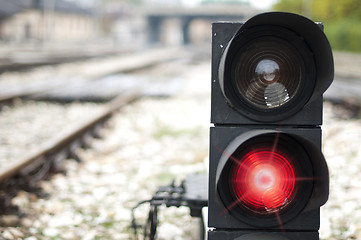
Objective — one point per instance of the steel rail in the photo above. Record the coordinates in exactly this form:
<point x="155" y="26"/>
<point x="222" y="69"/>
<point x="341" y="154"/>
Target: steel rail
<point x="66" y="140"/>
<point x="126" y="64"/>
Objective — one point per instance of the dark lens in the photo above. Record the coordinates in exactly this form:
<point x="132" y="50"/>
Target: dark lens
<point x="268" y="73"/>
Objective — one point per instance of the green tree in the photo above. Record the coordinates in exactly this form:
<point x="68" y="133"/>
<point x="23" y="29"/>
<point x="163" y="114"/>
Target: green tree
<point x="342" y="19"/>
<point x="334" y="10"/>
<point x="325" y="10"/>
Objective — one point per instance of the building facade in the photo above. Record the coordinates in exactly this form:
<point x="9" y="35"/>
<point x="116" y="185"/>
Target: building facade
<point x="45" y="21"/>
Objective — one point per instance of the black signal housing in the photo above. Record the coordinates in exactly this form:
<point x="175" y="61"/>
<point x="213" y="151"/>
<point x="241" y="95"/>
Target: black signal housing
<point x="267" y="175"/>
<point x="304" y="39"/>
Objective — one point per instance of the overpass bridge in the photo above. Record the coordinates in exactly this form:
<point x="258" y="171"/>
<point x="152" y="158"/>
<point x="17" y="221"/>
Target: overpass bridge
<point x="156" y="17"/>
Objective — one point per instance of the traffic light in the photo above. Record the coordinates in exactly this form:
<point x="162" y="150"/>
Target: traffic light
<point x="268" y="177"/>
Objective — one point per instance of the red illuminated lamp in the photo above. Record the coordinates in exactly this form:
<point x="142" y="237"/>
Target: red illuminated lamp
<point x="264" y="180"/>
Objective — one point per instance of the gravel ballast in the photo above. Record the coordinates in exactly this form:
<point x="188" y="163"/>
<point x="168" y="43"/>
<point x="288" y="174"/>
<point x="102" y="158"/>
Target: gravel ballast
<point x="149" y="144"/>
<point x="26" y="126"/>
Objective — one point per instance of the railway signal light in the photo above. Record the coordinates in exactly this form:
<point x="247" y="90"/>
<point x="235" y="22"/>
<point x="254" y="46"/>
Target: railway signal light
<point x="268" y="177"/>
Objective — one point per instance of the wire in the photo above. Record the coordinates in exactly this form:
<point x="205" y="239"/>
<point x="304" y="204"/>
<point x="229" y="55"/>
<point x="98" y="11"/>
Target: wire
<point x="150" y="229"/>
<point x="134" y="223"/>
<point x="168" y="196"/>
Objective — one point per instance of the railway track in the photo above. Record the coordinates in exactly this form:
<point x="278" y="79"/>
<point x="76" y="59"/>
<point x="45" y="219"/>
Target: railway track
<point x="143" y="150"/>
<point x="84" y="76"/>
<point x="24" y="58"/>
<point x="25" y="172"/>
<point x="30" y="169"/>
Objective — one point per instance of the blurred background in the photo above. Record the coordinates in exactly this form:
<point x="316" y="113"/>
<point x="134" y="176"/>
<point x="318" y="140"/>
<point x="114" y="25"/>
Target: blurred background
<point x="139" y="23"/>
<point x="126" y="24"/>
<point x="341" y="18"/>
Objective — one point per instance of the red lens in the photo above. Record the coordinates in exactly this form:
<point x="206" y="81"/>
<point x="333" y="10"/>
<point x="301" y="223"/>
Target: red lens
<point x="264" y="180"/>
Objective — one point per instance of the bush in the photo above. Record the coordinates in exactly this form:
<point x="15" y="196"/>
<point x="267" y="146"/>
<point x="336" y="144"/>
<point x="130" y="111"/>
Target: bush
<point x="345" y="34"/>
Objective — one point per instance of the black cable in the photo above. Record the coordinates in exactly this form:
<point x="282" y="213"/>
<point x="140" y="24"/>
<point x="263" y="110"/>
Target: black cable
<point x="134" y="224"/>
<point x="150" y="229"/>
<point x="170" y="196"/>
